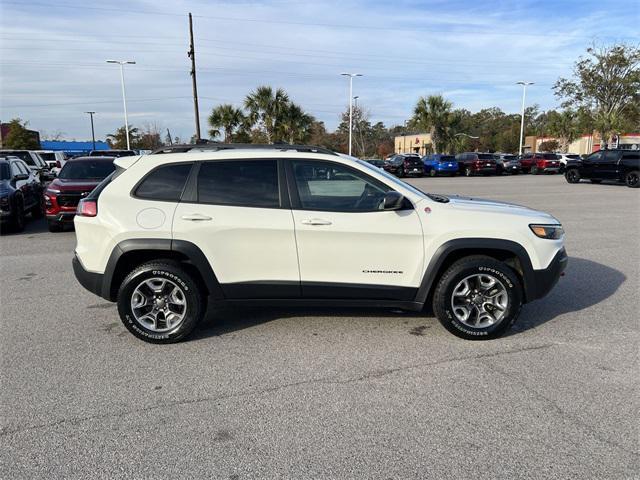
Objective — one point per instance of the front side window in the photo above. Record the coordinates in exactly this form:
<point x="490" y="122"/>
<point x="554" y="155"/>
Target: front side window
<point x="164" y="183"/>
<point x="243" y="183"/>
<point x="4" y="171"/>
<point x="333" y="187"/>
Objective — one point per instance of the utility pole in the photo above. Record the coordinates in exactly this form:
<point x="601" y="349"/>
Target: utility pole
<point x="169" y="137"/>
<point x="192" y="55"/>
<point x="524" y="92"/>
<point x="122" y="63"/>
<point x="350" y="75"/>
<point x="93" y="132"/>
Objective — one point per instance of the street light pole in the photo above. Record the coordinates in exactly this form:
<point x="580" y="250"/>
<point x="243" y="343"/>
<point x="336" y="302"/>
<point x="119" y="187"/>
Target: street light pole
<point x="93" y="132"/>
<point x="524" y="93"/>
<point x="122" y="63"/>
<point x="351" y="75"/>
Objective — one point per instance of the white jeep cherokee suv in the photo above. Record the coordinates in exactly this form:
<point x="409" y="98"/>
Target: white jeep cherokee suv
<point x="302" y="225"/>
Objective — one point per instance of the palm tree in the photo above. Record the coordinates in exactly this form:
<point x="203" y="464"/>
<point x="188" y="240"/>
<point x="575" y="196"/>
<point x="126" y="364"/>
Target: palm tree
<point x="266" y="108"/>
<point x="295" y="124"/>
<point x="433" y="114"/>
<point x="564" y="125"/>
<point x="225" y="117"/>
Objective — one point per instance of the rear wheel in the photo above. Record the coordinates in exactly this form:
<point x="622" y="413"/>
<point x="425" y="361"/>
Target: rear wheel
<point x="632" y="179"/>
<point x="18" y="220"/>
<point x="432" y="172"/>
<point x="534" y="170"/>
<point x="467" y="172"/>
<point x="159" y="302"/>
<point x="478" y="298"/>
<point x="572" y="175"/>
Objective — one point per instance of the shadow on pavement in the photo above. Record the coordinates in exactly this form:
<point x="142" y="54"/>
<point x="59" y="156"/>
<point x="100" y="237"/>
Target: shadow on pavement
<point x="586" y="283"/>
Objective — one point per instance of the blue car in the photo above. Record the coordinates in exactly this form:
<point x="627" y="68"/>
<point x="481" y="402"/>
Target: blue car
<point x="440" y="164"/>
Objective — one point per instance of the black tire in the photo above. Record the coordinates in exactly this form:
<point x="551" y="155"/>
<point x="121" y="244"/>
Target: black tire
<point x="39" y="209"/>
<point x="189" y="290"/>
<point x="18" y="220"/>
<point x="596" y="180"/>
<point x="632" y="179"/>
<point x="452" y="174"/>
<point x="432" y="172"/>
<point x="572" y="175"/>
<point x="467" y="172"/>
<point x="468" y="267"/>
<point x="401" y="172"/>
<point x="534" y="171"/>
<point x="55" y="227"/>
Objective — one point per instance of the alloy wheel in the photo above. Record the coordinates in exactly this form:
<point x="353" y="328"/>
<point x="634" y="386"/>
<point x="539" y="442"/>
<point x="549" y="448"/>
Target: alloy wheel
<point x="479" y="301"/>
<point x="158" y="304"/>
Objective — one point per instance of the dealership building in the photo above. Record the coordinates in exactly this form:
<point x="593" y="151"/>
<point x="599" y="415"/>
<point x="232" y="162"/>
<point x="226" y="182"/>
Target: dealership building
<point x="417" y="143"/>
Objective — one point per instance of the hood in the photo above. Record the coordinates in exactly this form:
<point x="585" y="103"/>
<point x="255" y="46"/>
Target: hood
<point x="495" y="207"/>
<point x="84" y="185"/>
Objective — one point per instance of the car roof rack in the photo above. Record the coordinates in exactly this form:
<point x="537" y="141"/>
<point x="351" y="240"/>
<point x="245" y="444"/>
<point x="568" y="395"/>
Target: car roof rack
<point x="216" y="147"/>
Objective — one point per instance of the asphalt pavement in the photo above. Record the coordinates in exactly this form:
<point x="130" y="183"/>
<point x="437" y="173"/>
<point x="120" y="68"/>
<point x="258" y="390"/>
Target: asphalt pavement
<point x="333" y="393"/>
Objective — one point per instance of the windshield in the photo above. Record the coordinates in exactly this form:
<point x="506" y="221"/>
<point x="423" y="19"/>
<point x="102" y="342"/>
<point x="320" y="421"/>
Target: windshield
<point x="4" y="171"/>
<point x="447" y="158"/>
<point x="49" y="156"/>
<point x="510" y="158"/>
<point x="392" y="179"/>
<point x="486" y="156"/>
<point x="86" y="169"/>
<point x="550" y="156"/>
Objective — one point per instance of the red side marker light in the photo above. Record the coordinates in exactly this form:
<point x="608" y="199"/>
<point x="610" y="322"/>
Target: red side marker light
<point x="427" y="210"/>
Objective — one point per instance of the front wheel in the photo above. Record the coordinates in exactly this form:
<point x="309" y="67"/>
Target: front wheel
<point x="632" y="179"/>
<point x="534" y="171"/>
<point x="467" y="172"/>
<point x="159" y="302"/>
<point x="572" y="175"/>
<point x="478" y="298"/>
<point x="432" y="173"/>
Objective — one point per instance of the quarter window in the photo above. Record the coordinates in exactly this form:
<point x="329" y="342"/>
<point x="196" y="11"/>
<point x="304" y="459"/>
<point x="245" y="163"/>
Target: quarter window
<point x="244" y="183"/>
<point x="335" y="188"/>
<point x="164" y="183"/>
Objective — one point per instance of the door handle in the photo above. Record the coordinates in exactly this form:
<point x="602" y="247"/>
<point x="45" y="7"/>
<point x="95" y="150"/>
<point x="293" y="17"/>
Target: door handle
<point x="315" y="221"/>
<point x="196" y="217"/>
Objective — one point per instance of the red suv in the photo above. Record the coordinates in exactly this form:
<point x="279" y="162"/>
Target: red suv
<point x="536" y="163"/>
<point x="472" y="163"/>
<point x="75" y="181"/>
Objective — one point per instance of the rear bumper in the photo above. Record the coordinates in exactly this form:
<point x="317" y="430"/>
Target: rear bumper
<point x="544" y="280"/>
<point x="90" y="280"/>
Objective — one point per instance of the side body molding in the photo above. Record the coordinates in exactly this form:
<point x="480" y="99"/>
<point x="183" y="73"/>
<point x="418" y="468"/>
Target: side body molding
<point x="478" y="245"/>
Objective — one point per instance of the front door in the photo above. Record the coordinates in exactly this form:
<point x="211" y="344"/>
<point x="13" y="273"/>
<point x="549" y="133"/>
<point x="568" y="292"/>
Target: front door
<point x="246" y="232"/>
<point x="347" y="246"/>
<point x="590" y="165"/>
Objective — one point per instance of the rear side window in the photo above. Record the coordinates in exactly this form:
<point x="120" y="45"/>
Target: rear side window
<point x="631" y="156"/>
<point x="164" y="183"/>
<point x="242" y="183"/>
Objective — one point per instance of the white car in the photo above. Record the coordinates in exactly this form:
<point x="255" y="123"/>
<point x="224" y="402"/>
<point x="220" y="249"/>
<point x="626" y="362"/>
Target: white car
<point x="54" y="159"/>
<point x="295" y="225"/>
<point x="565" y="157"/>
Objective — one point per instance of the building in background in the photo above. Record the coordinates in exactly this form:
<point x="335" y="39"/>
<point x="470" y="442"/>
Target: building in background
<point x="416" y="143"/>
<point x="586" y="144"/>
<point x="73" y="148"/>
<point x="4" y="131"/>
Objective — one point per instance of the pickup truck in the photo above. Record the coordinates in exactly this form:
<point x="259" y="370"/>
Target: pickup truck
<point x="612" y="165"/>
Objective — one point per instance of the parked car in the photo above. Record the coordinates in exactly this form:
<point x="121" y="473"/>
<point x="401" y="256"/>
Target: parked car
<point x="20" y="193"/>
<point x="55" y="160"/>
<point x="35" y="163"/>
<point x="566" y="157"/>
<point x="165" y="234"/>
<point x="506" y="163"/>
<point x="76" y="180"/>
<point x="541" y="162"/>
<point x="440" y="164"/>
<point x="472" y="163"/>
<point x="111" y="153"/>
<point x="376" y="162"/>
<point x="405" y="165"/>
<point x="612" y="165"/>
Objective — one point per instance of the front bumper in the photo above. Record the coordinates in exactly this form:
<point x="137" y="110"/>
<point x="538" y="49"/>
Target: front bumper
<point x="545" y="279"/>
<point x="62" y="217"/>
<point x="90" y="280"/>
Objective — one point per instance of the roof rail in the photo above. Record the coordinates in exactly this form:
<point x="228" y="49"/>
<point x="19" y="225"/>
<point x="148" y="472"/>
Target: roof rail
<point x="214" y="146"/>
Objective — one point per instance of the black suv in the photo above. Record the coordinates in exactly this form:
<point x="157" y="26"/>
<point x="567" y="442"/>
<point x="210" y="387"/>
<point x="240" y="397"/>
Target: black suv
<point x="404" y="165"/>
<point x="612" y="165"/>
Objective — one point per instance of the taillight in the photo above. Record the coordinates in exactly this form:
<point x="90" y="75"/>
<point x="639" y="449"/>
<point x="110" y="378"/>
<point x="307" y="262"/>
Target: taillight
<point x="58" y="165"/>
<point x="87" y="208"/>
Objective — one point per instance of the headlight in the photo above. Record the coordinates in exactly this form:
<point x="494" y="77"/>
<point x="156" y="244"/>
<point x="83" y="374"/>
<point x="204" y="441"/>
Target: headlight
<point x="4" y="201"/>
<point x="551" y="232"/>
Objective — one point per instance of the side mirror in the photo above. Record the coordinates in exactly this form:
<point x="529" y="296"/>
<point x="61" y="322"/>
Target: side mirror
<point x="393" y="201"/>
<point x="21" y="176"/>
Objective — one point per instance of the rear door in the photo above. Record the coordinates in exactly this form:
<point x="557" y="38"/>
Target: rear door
<point x="608" y="165"/>
<point x="239" y="217"/>
<point x="347" y="246"/>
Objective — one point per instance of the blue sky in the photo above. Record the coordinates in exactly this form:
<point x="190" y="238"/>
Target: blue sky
<point x="52" y="65"/>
